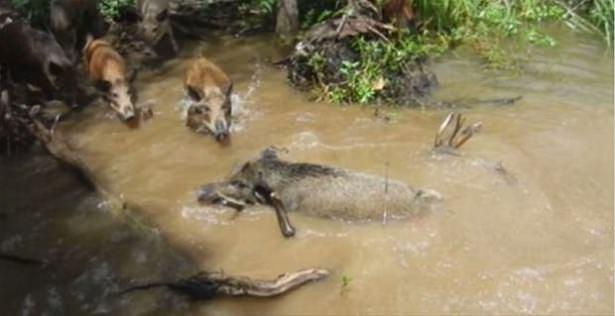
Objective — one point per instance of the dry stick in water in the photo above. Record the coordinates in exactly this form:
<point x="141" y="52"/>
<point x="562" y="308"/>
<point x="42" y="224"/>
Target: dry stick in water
<point x="455" y="140"/>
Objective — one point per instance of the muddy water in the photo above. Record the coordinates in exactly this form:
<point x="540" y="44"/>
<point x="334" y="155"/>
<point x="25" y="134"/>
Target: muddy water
<point x="536" y="239"/>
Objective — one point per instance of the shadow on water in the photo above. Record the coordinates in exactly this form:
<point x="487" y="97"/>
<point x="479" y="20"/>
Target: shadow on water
<point x="87" y="253"/>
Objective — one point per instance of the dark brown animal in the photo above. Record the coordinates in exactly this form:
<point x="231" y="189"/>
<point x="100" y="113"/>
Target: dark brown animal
<point x="209" y="94"/>
<point x="73" y="20"/>
<point x="399" y="13"/>
<point x="106" y="68"/>
<point x="154" y="23"/>
<point x="34" y="57"/>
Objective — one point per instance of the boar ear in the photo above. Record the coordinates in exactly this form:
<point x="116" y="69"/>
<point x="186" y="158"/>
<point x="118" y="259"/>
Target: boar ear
<point x="193" y="94"/>
<point x="229" y="89"/>
<point x="103" y="85"/>
<point x="245" y="166"/>
<point x="162" y="15"/>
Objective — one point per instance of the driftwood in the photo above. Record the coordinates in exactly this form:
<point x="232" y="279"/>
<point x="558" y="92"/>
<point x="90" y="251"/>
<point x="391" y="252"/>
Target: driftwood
<point x="204" y="285"/>
<point x="207" y="285"/>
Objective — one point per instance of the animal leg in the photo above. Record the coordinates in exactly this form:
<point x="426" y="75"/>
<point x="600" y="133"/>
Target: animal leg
<point x="264" y="193"/>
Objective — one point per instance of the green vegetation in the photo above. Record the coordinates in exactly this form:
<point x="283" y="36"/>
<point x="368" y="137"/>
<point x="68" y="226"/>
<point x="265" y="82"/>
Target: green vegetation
<point x="377" y="65"/>
<point x="592" y="16"/>
<point x="113" y="8"/>
<point x="493" y="29"/>
<point x="602" y="17"/>
<point x="345" y="284"/>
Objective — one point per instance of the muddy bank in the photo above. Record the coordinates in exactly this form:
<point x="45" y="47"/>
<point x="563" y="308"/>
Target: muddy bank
<point x="356" y="58"/>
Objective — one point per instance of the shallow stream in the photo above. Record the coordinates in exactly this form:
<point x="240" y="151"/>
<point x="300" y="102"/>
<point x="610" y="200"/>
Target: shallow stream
<point x="538" y="239"/>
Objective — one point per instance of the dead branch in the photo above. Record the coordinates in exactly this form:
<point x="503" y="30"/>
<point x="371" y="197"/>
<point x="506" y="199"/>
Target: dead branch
<point x="207" y="285"/>
<point x="459" y="135"/>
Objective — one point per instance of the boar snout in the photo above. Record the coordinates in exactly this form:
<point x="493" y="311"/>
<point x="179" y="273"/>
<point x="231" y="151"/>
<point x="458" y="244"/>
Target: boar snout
<point x="225" y="194"/>
<point x="128" y="113"/>
<point x="221" y="131"/>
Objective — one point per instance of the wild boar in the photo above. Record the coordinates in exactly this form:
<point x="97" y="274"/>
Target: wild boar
<point x="399" y="13"/>
<point x="33" y="56"/>
<point x="106" y="68"/>
<point x="154" y="22"/>
<point x="209" y="95"/>
<point x="317" y="190"/>
<point x="72" y="20"/>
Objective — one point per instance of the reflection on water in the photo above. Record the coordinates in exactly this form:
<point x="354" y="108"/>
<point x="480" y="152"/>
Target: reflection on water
<point x="534" y="238"/>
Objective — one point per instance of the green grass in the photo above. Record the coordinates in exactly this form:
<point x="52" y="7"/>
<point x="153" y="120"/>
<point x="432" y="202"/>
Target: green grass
<point x="487" y="26"/>
<point x="601" y="15"/>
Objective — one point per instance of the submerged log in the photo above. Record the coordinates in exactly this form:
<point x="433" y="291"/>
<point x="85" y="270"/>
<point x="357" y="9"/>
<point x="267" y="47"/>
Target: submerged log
<point x="207" y="285"/>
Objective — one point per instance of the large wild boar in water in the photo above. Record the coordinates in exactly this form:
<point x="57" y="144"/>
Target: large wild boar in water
<point x="107" y="69"/>
<point x="317" y="190"/>
<point x="209" y="96"/>
<point x="33" y="56"/>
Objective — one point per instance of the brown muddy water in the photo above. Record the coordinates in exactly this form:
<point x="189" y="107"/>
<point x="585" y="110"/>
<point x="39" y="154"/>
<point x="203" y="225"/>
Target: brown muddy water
<point x="538" y="240"/>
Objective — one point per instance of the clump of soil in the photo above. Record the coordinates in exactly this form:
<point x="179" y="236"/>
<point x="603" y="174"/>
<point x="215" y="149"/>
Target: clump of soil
<point x="333" y="41"/>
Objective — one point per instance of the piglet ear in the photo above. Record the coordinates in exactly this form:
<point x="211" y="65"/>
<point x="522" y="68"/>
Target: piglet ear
<point x="162" y="15"/>
<point x="88" y="40"/>
<point x="103" y="85"/>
